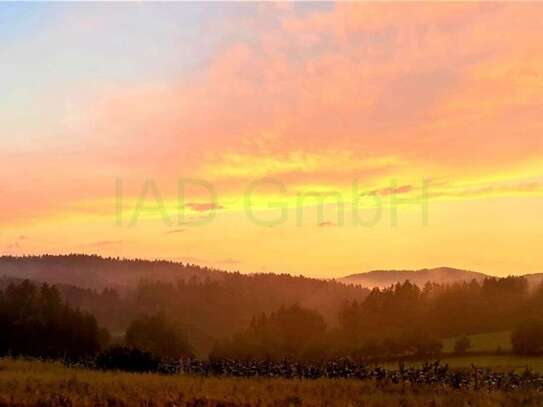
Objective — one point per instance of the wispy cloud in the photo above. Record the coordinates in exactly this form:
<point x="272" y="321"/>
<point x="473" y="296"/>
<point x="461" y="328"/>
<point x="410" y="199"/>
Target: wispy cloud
<point x="392" y="190"/>
<point x="175" y="231"/>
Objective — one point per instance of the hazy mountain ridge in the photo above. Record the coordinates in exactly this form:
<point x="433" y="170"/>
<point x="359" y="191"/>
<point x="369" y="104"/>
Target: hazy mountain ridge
<point x="96" y="272"/>
<point x="440" y="275"/>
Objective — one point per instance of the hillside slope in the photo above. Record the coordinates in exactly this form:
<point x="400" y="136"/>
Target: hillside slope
<point x="207" y="303"/>
<point x="384" y="278"/>
<point x="90" y="271"/>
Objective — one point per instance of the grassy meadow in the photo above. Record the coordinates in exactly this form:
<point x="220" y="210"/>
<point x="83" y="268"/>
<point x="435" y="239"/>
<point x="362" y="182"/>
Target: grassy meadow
<point x="487" y="342"/>
<point x="493" y="344"/>
<point x="483" y="353"/>
<point x="34" y="383"/>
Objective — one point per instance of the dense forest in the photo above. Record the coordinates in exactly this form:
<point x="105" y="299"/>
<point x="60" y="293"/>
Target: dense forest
<point x="208" y="304"/>
<point x="35" y="321"/>
<point x="212" y="309"/>
<point x="91" y="271"/>
<point x="401" y="320"/>
<point x="261" y="316"/>
<point x="443" y="310"/>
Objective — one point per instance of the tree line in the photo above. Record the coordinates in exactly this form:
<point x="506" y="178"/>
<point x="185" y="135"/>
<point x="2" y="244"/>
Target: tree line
<point x="35" y="321"/>
<point x="399" y="321"/>
<point x="402" y="320"/>
<point x="208" y="309"/>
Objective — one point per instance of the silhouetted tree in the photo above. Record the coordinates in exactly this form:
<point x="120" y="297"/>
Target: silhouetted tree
<point x="462" y="344"/>
<point x="527" y="338"/>
<point x="37" y="322"/>
<point x="157" y="335"/>
<point x="290" y="332"/>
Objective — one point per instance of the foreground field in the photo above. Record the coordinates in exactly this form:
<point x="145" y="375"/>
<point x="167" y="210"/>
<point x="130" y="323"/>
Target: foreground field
<point x="29" y="383"/>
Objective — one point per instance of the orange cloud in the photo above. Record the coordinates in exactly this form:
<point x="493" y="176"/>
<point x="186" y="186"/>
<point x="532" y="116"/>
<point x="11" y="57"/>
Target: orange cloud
<point x="380" y="80"/>
<point x="380" y="90"/>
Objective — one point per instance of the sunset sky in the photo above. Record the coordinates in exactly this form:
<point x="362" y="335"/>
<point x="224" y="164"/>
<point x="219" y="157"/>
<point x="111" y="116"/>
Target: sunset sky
<point x="312" y="138"/>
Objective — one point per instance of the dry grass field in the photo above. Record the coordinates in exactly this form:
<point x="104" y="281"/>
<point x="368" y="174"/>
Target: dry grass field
<point x="32" y="383"/>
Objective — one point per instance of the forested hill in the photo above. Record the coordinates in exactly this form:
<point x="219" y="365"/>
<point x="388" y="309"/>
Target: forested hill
<point x="91" y="271"/>
<point x="208" y="303"/>
<point x="439" y="275"/>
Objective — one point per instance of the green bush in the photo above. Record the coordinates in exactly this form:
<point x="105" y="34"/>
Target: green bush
<point x="159" y="336"/>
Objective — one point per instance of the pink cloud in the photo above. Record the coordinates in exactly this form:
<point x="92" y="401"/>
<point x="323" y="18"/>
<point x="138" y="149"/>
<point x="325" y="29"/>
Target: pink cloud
<point x="435" y="86"/>
<point x="376" y="80"/>
<point x="203" y="207"/>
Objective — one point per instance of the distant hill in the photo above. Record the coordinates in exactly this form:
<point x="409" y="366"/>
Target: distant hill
<point x="91" y="271"/>
<point x="385" y="278"/>
<point x="535" y="279"/>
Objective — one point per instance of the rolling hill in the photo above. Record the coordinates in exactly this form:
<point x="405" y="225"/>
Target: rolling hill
<point x="95" y="272"/>
<point x="384" y="278"/>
